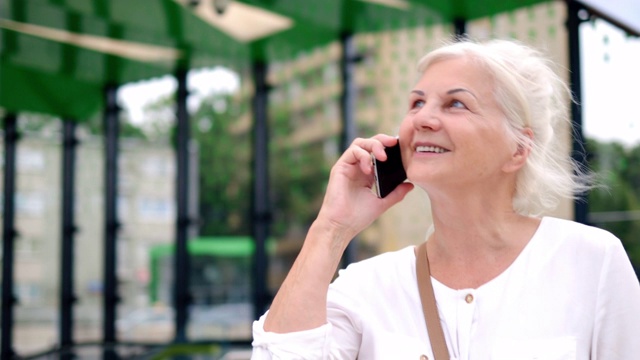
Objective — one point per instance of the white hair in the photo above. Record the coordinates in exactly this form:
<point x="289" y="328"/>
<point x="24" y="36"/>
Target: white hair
<point x="532" y="96"/>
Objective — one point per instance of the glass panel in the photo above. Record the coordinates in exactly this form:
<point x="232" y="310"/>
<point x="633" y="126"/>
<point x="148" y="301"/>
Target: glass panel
<point x="148" y="220"/>
<point x="37" y="246"/>
<point x="89" y="219"/>
<point x="221" y="251"/>
<point x="146" y="211"/>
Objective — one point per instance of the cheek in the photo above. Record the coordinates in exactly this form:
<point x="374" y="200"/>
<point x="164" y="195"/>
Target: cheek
<point x="486" y="153"/>
<point x="405" y="126"/>
<point x="405" y="134"/>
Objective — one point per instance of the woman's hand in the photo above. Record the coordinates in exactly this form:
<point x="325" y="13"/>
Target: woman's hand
<point x="349" y="205"/>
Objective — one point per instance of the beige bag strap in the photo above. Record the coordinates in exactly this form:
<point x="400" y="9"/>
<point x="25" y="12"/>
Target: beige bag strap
<point x="429" y="307"/>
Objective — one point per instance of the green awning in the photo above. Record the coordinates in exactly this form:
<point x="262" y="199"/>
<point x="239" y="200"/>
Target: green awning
<point x="229" y="247"/>
<point x="222" y="246"/>
<point x="25" y="89"/>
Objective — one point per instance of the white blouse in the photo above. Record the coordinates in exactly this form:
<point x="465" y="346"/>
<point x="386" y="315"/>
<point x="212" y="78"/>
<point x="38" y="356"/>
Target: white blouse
<point x="570" y="294"/>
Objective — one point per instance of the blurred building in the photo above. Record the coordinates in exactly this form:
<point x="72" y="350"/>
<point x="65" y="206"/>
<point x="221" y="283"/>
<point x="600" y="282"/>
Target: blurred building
<point x="146" y="207"/>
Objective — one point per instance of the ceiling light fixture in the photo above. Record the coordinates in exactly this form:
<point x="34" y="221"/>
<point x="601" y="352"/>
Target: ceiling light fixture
<point x="221" y="5"/>
<point x="243" y="22"/>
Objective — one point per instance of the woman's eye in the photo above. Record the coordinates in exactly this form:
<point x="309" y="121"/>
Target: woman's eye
<point x="417" y="104"/>
<point x="457" y="104"/>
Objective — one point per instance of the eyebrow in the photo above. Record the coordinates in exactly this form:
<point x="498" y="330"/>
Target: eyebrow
<point x="452" y="91"/>
<point x="457" y="90"/>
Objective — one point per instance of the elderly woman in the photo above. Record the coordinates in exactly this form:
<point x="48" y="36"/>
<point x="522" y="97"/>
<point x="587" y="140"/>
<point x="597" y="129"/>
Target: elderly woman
<point x="478" y="137"/>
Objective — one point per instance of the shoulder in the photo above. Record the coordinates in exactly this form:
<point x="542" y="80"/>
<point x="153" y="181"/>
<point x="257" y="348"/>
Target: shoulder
<point x="577" y="234"/>
<point x="568" y="246"/>
<point x="385" y="263"/>
<point x="390" y="269"/>
<point x="581" y="247"/>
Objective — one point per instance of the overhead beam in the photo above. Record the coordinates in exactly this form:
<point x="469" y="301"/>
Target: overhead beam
<point x="126" y="49"/>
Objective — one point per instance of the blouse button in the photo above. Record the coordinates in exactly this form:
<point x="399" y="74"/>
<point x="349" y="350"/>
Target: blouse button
<point x="468" y="298"/>
<point x="424" y="357"/>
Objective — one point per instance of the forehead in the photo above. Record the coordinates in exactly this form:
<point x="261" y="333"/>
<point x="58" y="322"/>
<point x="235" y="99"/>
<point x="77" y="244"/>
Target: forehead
<point x="458" y="72"/>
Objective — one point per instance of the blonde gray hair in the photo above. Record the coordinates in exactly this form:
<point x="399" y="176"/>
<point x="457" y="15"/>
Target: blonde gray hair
<point x="532" y="96"/>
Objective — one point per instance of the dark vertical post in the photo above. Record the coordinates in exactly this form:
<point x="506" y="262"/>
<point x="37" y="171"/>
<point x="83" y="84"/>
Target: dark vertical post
<point x="9" y="234"/>
<point x="111" y="126"/>
<point x="67" y="296"/>
<point x="578" y="149"/>
<point x="260" y="195"/>
<point x="460" y="28"/>
<point x="181" y="262"/>
<point x="348" y="62"/>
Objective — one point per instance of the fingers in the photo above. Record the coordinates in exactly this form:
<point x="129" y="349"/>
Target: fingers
<point x="386" y="141"/>
<point x="361" y="149"/>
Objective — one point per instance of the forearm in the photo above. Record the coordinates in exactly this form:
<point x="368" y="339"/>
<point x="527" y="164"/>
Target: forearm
<point x="301" y="302"/>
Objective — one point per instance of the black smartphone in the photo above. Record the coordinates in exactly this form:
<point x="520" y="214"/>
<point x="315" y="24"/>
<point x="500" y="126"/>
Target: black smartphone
<point x="389" y="173"/>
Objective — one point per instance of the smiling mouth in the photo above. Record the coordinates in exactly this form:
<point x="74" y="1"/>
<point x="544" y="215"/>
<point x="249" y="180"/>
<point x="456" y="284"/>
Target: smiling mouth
<point x="431" y="149"/>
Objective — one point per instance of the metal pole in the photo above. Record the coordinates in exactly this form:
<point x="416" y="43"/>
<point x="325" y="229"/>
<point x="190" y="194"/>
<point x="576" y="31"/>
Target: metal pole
<point x="460" y="28"/>
<point x="347" y="107"/>
<point x="9" y="234"/>
<point x="260" y="195"/>
<point x="181" y="263"/>
<point x="111" y="126"/>
<point x="580" y="206"/>
<point x="67" y="297"/>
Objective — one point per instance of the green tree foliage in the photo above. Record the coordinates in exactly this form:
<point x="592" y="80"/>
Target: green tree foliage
<point x="298" y="176"/>
<point x="38" y="123"/>
<point x="95" y="126"/>
<point x="224" y="166"/>
<point x="297" y="179"/>
<point x="620" y="193"/>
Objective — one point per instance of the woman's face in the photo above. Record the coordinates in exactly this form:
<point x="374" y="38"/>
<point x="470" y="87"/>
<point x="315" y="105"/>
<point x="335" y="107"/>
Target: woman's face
<point x="454" y="132"/>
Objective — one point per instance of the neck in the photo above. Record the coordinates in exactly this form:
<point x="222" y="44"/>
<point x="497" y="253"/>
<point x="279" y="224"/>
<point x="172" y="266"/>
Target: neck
<point x="471" y="228"/>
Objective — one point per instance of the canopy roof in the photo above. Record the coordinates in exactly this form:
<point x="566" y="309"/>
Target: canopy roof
<point x="56" y="56"/>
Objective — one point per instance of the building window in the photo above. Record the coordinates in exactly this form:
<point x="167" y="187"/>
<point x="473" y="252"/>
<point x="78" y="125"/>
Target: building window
<point x="30" y="204"/>
<point x="155" y="209"/>
<point x="29" y="160"/>
<point x="157" y="166"/>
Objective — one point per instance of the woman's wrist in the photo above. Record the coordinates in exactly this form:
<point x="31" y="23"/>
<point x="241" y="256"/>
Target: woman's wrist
<point x="334" y="235"/>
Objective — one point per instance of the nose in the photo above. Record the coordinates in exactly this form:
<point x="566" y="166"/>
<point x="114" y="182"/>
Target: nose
<point x="427" y="118"/>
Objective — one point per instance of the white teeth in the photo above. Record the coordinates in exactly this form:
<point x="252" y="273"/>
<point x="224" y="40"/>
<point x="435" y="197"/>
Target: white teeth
<point x="432" y="149"/>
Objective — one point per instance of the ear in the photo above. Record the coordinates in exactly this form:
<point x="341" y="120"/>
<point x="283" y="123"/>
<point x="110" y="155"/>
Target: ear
<point x="521" y="153"/>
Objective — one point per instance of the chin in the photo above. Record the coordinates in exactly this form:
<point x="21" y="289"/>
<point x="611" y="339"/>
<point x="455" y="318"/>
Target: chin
<point x="427" y="180"/>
